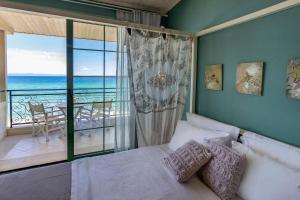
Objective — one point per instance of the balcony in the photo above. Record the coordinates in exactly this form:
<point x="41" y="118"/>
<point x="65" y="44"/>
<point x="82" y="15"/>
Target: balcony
<point x="20" y="149"/>
<point x="19" y="112"/>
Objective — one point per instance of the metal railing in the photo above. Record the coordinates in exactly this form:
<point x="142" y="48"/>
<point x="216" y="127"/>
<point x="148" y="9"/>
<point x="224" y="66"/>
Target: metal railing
<point x="19" y="113"/>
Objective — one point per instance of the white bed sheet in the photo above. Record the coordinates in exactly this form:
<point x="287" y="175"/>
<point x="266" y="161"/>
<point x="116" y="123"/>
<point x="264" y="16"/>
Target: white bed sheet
<point x="133" y="175"/>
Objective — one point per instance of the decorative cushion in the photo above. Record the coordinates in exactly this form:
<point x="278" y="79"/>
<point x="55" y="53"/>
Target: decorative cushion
<point x="265" y="178"/>
<point x="225" y="140"/>
<point x="224" y="171"/>
<point x="207" y="123"/>
<point x="185" y="132"/>
<point x="187" y="160"/>
<point x="277" y="150"/>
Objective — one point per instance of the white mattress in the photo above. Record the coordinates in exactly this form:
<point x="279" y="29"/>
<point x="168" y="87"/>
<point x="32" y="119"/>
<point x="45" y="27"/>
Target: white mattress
<point x="132" y="175"/>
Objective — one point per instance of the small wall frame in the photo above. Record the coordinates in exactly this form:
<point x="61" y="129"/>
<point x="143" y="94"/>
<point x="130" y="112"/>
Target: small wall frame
<point x="249" y="78"/>
<point x="214" y="77"/>
<point x="293" y="79"/>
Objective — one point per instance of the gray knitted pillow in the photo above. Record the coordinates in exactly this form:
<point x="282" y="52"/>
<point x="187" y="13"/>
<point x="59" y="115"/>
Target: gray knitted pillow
<point x="224" y="171"/>
<point x="187" y="160"/>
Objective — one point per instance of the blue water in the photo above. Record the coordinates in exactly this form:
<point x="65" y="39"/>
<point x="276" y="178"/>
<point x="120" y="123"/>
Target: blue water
<point x="58" y="82"/>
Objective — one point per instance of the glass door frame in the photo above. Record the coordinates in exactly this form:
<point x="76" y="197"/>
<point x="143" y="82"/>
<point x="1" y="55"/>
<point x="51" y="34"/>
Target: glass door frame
<point x="70" y="101"/>
<point x="70" y="94"/>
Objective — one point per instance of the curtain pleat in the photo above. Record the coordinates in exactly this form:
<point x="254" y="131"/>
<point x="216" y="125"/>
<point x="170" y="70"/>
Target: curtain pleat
<point x="125" y="113"/>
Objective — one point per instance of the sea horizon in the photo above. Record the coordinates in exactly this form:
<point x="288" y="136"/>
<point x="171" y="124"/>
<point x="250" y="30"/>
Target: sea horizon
<point x="49" y="81"/>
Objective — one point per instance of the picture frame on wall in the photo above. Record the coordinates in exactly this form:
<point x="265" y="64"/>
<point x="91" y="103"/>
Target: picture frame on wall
<point x="249" y="78"/>
<point x="293" y="79"/>
<point x="214" y="77"/>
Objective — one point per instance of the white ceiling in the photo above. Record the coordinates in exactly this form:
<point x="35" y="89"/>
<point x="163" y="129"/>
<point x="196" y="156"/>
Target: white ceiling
<point x="158" y="6"/>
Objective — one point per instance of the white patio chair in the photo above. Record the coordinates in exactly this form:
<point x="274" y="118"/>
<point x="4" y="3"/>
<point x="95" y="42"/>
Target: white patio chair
<point x="45" y="121"/>
<point x="96" y="115"/>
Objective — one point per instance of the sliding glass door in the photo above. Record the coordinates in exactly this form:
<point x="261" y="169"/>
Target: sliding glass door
<point x="84" y="109"/>
<point x="93" y="87"/>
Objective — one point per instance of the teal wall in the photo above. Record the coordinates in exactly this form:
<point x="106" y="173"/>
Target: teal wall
<point x="274" y="39"/>
<point x="195" y="15"/>
<point x="92" y="10"/>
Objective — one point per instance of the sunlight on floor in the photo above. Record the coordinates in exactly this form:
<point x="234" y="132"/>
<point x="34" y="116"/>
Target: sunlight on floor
<point x="24" y="150"/>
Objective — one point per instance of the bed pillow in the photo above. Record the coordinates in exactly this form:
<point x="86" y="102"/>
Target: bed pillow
<point x="277" y="150"/>
<point x="187" y="160"/>
<point x="207" y="123"/>
<point x="265" y="178"/>
<point x="224" y="171"/>
<point x="185" y="132"/>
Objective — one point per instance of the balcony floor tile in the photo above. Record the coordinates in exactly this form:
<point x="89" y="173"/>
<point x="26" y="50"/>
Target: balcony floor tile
<point x="21" y="151"/>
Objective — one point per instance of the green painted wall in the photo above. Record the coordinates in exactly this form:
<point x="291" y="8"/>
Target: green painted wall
<point x="96" y="11"/>
<point x="195" y="15"/>
<point x="273" y="39"/>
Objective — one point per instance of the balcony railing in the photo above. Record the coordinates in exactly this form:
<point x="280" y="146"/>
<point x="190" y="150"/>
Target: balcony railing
<point x="18" y="107"/>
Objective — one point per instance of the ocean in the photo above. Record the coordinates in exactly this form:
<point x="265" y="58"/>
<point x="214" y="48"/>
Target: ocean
<point x="58" y="82"/>
<point x="51" y="90"/>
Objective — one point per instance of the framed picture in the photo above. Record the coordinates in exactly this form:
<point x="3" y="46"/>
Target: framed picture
<point x="214" y="77"/>
<point x="293" y="79"/>
<point x="249" y="78"/>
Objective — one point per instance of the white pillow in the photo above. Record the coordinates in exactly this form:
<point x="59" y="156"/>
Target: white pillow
<point x="265" y="178"/>
<point x="185" y="132"/>
<point x="207" y="123"/>
<point x="285" y="153"/>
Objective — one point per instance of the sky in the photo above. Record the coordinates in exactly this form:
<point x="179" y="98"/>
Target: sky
<point x="46" y="55"/>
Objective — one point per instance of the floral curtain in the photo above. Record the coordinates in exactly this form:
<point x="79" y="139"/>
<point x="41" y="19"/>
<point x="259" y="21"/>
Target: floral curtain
<point x="159" y="73"/>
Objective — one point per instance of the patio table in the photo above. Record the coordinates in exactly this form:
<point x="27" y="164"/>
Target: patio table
<point x="63" y="108"/>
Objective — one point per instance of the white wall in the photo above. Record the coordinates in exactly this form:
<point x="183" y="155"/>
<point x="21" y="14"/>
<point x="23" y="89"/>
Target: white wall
<point x="2" y="85"/>
<point x="2" y="120"/>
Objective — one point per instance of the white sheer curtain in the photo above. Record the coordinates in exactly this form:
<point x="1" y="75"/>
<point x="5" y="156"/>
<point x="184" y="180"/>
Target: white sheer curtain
<point x="139" y="17"/>
<point x="125" y="114"/>
<point x="159" y="71"/>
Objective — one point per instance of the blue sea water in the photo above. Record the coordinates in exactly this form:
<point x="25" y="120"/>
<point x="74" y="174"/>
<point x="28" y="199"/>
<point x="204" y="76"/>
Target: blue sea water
<point x="58" y="82"/>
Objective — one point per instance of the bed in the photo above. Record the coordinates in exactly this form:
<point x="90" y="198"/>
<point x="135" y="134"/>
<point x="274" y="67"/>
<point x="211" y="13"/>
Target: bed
<point x="140" y="174"/>
<point x="113" y="177"/>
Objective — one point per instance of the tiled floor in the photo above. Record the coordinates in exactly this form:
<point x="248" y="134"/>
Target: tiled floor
<point x="24" y="150"/>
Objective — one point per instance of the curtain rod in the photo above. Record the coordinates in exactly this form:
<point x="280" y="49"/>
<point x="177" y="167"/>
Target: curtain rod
<point x="142" y="27"/>
<point x="135" y="26"/>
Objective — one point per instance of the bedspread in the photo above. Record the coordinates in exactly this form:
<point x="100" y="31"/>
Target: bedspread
<point x="133" y="175"/>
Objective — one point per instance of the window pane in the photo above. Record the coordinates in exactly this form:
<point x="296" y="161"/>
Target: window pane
<point x="88" y="63"/>
<point x="88" y="36"/>
<point x="110" y="75"/>
<point x="91" y="82"/>
<point x="94" y="87"/>
<point x="110" y="63"/>
<point x="88" y="141"/>
<point x="110" y="96"/>
<point x="111" y="38"/>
